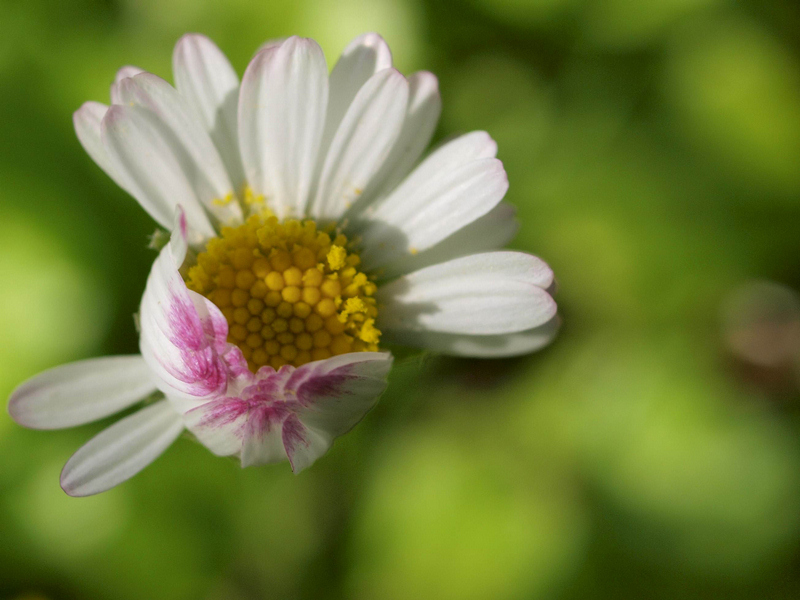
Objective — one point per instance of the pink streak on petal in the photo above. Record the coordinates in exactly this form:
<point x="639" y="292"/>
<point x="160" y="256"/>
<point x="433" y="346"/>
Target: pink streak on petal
<point x="201" y="366"/>
<point x="311" y="384"/>
<point x="237" y="363"/>
<point x="219" y="413"/>
<point x="293" y="435"/>
<point x="270" y="383"/>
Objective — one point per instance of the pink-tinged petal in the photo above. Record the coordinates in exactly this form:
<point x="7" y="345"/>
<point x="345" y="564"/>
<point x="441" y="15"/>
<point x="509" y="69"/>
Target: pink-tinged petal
<point x="125" y="72"/>
<point x="206" y="79"/>
<point x="119" y="452"/>
<point x="333" y="396"/>
<point x="491" y="293"/>
<point x="182" y="334"/>
<point x="292" y="413"/>
<point x="220" y="424"/>
<point x="270" y="43"/>
<point x="282" y="106"/>
<point x="81" y="392"/>
<point x="302" y="444"/>
<point x="263" y="443"/>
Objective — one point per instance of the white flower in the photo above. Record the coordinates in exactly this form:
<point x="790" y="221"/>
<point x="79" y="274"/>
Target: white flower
<point x="304" y="237"/>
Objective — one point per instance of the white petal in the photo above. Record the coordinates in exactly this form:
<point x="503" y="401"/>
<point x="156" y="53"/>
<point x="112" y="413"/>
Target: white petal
<point x="81" y="392"/>
<point x="119" y="452"/>
<point x="270" y="43"/>
<point x="87" y="121"/>
<point x="362" y="143"/>
<point x="282" y="114"/>
<point x="422" y="115"/>
<point x="492" y="231"/>
<point x="188" y="141"/>
<point x="361" y="59"/>
<point x="143" y="151"/>
<point x="182" y="334"/>
<point x="124" y="73"/>
<point x="423" y="211"/>
<point x="482" y="294"/>
<point x="207" y="81"/>
<point x="334" y="395"/>
<point x="479" y="346"/>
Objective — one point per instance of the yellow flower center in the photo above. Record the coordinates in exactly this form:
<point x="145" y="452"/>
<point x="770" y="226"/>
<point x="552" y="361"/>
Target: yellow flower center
<point x="290" y="292"/>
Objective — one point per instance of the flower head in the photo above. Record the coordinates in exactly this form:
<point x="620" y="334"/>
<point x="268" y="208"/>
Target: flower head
<point x="306" y="235"/>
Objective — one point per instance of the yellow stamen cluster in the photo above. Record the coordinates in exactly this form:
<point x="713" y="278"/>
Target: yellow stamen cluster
<point x="290" y="292"/>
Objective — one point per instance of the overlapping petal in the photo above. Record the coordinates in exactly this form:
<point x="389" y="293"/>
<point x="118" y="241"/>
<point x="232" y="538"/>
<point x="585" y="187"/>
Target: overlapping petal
<point x="453" y="187"/>
<point x="422" y="115"/>
<point x="361" y="144"/>
<point x="492" y="231"/>
<point x="87" y="121"/>
<point x="338" y="148"/>
<point x="210" y="86"/>
<point x="361" y="59"/>
<point x="187" y="141"/>
<point x="481" y="346"/>
<point x="144" y="151"/>
<point x="294" y="413"/>
<point x="483" y="294"/>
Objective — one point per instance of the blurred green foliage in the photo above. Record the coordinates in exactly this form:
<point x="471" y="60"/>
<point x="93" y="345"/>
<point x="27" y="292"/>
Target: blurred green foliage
<point x="653" y="150"/>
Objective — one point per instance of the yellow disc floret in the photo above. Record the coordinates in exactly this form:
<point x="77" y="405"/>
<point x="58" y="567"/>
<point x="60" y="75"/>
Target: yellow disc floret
<point x="290" y="292"/>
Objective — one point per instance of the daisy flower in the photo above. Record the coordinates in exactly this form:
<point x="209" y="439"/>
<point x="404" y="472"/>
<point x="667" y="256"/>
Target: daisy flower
<point x="306" y="235"/>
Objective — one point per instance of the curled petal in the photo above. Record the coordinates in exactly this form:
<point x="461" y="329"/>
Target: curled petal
<point x="362" y="143"/>
<point x="334" y="395"/>
<point x="183" y="336"/>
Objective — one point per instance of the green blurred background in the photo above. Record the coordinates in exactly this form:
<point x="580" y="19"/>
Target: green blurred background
<point x="653" y="149"/>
